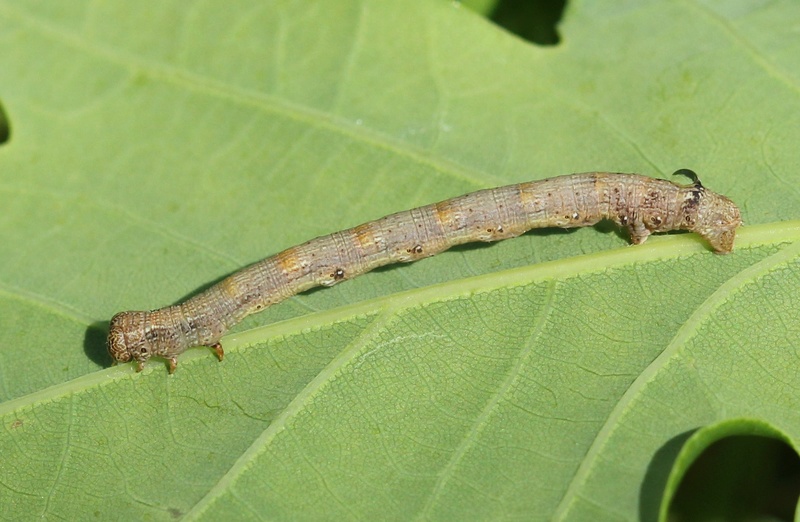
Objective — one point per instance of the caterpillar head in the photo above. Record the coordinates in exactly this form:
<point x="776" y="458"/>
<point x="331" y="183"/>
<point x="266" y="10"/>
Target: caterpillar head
<point x="716" y="219"/>
<point x="709" y="214"/>
<point x="126" y="337"/>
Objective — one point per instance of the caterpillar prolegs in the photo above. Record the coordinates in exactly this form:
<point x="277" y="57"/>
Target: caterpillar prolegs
<point x="640" y="204"/>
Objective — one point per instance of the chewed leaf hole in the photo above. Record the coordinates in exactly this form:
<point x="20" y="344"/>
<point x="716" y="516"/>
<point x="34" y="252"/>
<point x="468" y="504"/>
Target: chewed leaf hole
<point x="740" y="477"/>
<point x="533" y="20"/>
<point x="5" y="126"/>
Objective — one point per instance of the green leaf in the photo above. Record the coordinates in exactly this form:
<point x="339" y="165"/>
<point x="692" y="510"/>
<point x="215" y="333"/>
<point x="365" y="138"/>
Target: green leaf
<point x="483" y="7"/>
<point x="157" y="146"/>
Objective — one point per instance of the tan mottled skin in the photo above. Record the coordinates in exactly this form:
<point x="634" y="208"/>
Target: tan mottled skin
<point x="641" y="204"/>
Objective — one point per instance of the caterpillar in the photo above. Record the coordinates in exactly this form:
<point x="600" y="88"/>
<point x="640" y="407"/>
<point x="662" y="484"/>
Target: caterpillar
<point x="640" y="204"/>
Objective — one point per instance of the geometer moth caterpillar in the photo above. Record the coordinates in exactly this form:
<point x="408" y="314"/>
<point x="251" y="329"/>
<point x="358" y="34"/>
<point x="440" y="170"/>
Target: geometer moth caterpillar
<point x="640" y="204"/>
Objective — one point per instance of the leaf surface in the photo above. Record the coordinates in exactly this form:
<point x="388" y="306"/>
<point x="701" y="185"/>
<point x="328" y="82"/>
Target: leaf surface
<point x="155" y="147"/>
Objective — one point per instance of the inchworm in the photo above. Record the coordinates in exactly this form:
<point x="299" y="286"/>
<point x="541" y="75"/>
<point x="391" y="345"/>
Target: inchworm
<point x="640" y="204"/>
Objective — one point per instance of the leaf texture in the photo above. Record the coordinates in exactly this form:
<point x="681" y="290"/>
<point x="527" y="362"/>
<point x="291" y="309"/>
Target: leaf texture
<point x="158" y="146"/>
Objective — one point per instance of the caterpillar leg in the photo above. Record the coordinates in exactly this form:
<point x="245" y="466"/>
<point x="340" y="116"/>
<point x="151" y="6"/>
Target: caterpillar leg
<point x="638" y="232"/>
<point x="217" y="347"/>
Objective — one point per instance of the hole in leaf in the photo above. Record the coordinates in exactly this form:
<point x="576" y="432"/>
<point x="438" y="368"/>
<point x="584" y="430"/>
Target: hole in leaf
<point x="5" y="126"/>
<point x="533" y="20"/>
<point x="740" y="478"/>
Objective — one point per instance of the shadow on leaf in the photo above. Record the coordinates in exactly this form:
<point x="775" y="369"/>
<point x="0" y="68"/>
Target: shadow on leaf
<point x="655" y="480"/>
<point x="5" y="126"/>
<point x="94" y="343"/>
